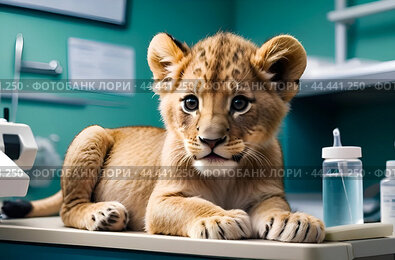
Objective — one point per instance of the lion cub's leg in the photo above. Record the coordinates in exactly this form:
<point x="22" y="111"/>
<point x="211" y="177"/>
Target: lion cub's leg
<point x="272" y="219"/>
<point x="81" y="169"/>
<point x="173" y="213"/>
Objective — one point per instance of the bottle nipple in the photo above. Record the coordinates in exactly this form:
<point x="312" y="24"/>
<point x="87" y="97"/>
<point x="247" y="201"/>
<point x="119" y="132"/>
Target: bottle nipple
<point x="336" y="137"/>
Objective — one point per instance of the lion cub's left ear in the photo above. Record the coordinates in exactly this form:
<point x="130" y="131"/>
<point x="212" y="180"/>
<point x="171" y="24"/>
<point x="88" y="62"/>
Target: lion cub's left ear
<point x="164" y="53"/>
<point x="284" y="59"/>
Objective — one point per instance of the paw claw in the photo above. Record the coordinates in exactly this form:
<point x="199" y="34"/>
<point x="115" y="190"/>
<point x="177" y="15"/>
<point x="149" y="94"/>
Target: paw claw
<point x="291" y="227"/>
<point x="234" y="225"/>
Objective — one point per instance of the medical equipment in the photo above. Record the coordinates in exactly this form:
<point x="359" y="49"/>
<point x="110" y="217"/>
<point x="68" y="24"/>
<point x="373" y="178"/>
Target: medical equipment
<point x="18" y="147"/>
<point x="17" y="153"/>
<point x="342" y="183"/>
<point x="51" y="68"/>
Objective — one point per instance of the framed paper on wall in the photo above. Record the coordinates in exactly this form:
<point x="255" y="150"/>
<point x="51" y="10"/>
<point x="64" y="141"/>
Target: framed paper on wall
<point x="110" y="11"/>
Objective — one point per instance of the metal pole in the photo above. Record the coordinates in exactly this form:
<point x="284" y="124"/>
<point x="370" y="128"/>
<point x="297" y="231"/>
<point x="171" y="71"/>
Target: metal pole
<point x="340" y="35"/>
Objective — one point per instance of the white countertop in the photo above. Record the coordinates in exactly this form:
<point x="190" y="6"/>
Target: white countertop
<point x="50" y="230"/>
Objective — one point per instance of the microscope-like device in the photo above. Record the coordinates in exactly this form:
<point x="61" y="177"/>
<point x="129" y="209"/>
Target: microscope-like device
<point x="18" y="151"/>
<point x="18" y="147"/>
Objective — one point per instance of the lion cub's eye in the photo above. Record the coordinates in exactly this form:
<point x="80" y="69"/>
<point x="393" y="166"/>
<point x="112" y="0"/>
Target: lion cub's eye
<point x="190" y="103"/>
<point x="239" y="103"/>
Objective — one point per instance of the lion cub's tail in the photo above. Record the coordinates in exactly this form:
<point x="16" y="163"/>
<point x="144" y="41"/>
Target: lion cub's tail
<point x="38" y="208"/>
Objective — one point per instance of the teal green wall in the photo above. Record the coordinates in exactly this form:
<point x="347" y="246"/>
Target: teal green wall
<point x="307" y="128"/>
<point x="260" y="20"/>
<point x="373" y="37"/>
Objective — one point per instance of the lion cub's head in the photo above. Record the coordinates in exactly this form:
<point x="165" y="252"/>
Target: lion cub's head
<point x="223" y="99"/>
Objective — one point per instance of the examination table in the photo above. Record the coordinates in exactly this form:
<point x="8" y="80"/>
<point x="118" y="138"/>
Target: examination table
<point x="47" y="238"/>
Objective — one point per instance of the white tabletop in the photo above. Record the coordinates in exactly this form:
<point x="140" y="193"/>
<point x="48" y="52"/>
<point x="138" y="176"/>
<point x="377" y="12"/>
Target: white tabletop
<point x="50" y="230"/>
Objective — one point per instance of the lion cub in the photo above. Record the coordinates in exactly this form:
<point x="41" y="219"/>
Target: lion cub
<point x="222" y="102"/>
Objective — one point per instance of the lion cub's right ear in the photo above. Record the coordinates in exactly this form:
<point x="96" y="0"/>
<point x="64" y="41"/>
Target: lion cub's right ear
<point x="164" y="54"/>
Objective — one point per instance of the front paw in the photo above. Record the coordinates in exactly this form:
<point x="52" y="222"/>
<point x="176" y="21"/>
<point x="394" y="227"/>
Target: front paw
<point x="234" y="224"/>
<point x="291" y="227"/>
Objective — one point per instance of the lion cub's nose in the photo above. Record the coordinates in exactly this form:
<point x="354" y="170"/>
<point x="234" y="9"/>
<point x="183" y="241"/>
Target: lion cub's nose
<point x="212" y="143"/>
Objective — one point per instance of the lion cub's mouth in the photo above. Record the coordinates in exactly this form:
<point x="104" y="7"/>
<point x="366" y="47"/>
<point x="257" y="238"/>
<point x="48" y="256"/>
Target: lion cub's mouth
<point x="207" y="164"/>
<point x="213" y="157"/>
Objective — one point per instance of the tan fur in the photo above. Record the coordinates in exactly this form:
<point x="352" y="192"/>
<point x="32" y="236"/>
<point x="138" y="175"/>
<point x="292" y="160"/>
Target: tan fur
<point x="113" y="178"/>
<point x="47" y="206"/>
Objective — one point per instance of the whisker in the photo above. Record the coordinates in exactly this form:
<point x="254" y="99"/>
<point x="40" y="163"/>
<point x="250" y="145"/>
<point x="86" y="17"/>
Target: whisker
<point x="261" y="156"/>
<point x="255" y="154"/>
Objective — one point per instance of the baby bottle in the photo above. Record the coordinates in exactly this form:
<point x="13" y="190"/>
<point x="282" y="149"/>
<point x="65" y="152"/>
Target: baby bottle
<point x="342" y="183"/>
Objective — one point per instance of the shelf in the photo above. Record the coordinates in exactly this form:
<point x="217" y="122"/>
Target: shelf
<point x="350" y="13"/>
<point x="324" y="77"/>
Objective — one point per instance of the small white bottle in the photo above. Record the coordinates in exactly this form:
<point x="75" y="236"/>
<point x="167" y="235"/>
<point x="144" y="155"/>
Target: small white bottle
<point x="387" y="194"/>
